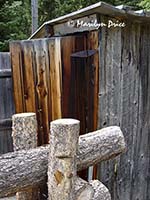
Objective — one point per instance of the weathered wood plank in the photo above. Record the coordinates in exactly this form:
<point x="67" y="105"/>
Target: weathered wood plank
<point x="16" y="60"/>
<point x="4" y="60"/>
<point x="31" y="69"/>
<point x="123" y="100"/>
<point x="140" y="183"/>
<point x="93" y="43"/>
<point x="28" y="76"/>
<point x="26" y="168"/>
<point x="113" y="93"/>
<point x="55" y="77"/>
<point x="67" y="48"/>
<point x="7" y="103"/>
<point x="42" y="88"/>
<point x="5" y="140"/>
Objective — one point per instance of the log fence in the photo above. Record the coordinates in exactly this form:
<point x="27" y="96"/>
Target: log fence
<point x="60" y="160"/>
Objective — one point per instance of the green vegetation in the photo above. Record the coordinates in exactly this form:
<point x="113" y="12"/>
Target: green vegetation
<point x="15" y="15"/>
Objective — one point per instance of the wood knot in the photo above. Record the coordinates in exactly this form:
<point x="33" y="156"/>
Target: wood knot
<point x="58" y="176"/>
<point x="69" y="175"/>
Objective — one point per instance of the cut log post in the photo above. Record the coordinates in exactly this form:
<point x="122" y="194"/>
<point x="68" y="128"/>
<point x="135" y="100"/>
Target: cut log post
<point x="62" y="165"/>
<point x="24" y="133"/>
<point x="26" y="168"/>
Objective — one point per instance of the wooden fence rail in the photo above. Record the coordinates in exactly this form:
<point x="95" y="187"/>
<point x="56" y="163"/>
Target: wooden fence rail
<point x="26" y="168"/>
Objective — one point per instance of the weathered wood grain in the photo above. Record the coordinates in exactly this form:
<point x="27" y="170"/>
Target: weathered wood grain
<point x="6" y="102"/>
<point x="67" y="48"/>
<point x="28" y="77"/>
<point x="141" y="156"/>
<point x="55" y="77"/>
<point x="110" y="93"/>
<point x="16" y="61"/>
<point x="41" y="65"/>
<point x="93" y="43"/>
<point x="80" y="80"/>
<point x="28" y="168"/>
<point x="31" y="66"/>
<point x="123" y="101"/>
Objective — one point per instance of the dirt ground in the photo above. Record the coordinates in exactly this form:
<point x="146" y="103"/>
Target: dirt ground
<point x="9" y="198"/>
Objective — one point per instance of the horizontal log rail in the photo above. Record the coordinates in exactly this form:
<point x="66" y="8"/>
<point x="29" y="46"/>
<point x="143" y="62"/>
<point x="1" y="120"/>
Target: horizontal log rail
<point x="22" y="169"/>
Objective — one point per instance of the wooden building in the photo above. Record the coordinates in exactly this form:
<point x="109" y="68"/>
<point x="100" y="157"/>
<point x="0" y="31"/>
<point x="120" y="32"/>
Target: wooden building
<point x="93" y="65"/>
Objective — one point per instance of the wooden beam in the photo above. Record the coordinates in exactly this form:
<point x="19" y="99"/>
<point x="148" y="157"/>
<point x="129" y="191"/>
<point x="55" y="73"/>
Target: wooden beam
<point x="87" y="23"/>
<point x="22" y="169"/>
<point x="6" y="122"/>
<point x="5" y="73"/>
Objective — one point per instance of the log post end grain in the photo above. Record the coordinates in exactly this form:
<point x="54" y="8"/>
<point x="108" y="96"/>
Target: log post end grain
<point x="24" y="131"/>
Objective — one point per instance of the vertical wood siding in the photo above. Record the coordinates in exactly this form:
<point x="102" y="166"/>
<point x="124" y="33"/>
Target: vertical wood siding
<point x="124" y="100"/>
<point x="6" y="103"/>
<point x="49" y="81"/>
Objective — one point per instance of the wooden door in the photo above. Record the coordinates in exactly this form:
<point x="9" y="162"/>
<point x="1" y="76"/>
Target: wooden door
<point x="80" y="65"/>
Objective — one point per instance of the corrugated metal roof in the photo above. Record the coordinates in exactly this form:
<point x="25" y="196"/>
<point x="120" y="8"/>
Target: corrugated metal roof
<point x="101" y="8"/>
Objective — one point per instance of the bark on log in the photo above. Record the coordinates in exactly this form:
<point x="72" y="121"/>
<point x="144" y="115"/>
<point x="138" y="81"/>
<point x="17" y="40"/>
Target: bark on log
<point x="100" y="191"/>
<point x="83" y="190"/>
<point x="62" y="166"/>
<point x="24" y="133"/>
<point x="26" y="168"/>
<point x="94" y="190"/>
